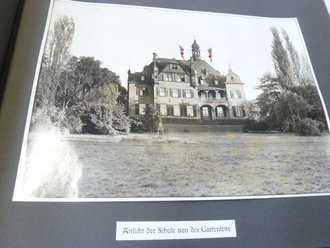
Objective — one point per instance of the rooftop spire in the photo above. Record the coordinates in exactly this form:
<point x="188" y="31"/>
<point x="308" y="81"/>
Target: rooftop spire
<point x="196" y="53"/>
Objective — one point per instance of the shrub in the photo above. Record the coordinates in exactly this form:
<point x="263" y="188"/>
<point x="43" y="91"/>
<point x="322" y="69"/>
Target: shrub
<point x="252" y="125"/>
<point x="321" y="126"/>
<point x="94" y="125"/>
<point x="151" y="117"/>
<point x="308" y="127"/>
<point x="104" y="118"/>
<point x="137" y="125"/>
<point x="72" y="123"/>
<point x="50" y="113"/>
<point x="120" y="121"/>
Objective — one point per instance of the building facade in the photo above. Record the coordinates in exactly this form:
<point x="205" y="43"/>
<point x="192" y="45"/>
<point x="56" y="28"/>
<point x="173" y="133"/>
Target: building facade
<point x="187" y="89"/>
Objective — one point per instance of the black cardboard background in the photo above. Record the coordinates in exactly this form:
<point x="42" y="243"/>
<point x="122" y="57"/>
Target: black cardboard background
<point x="285" y="222"/>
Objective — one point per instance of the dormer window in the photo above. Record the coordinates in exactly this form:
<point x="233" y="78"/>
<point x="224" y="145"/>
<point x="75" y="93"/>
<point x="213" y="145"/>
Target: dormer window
<point x="216" y="82"/>
<point x="173" y="66"/>
<point x="232" y="78"/>
<point x="142" y="78"/>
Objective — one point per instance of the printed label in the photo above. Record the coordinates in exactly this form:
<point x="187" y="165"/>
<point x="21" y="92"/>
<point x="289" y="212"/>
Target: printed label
<point x="157" y="230"/>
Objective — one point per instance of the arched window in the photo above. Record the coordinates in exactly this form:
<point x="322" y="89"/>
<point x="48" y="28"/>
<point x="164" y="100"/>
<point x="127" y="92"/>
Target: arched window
<point x="205" y="111"/>
<point x="220" y="112"/>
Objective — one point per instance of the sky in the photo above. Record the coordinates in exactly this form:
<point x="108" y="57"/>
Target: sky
<point x="327" y="3"/>
<point x="125" y="37"/>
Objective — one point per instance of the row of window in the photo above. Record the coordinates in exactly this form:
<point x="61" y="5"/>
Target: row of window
<point x="144" y="91"/>
<point x="186" y="93"/>
<point x="169" y="110"/>
<point x="171" y="77"/>
<point x="220" y="112"/>
<point x="190" y="111"/>
<point x="212" y="95"/>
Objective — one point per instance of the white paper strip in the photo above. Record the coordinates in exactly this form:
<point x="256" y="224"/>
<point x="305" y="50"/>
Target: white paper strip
<point x="157" y="230"/>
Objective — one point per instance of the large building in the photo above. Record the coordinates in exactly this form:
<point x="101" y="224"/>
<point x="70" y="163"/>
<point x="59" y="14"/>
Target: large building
<point x="187" y="89"/>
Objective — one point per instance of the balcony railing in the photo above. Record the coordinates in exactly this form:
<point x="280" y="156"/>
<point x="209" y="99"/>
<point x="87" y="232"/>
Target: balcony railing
<point x="212" y="99"/>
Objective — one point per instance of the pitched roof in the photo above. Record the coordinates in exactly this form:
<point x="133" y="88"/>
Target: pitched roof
<point x="202" y="66"/>
<point x="232" y="78"/>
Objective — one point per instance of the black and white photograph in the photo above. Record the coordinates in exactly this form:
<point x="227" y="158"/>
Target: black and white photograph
<point x="140" y="103"/>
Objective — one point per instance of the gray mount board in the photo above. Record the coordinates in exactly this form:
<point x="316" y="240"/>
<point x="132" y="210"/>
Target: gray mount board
<point x="283" y="222"/>
<point x="9" y="10"/>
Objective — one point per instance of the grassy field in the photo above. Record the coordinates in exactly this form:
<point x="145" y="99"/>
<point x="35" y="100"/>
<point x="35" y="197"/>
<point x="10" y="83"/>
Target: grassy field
<point x="213" y="164"/>
<point x="173" y="165"/>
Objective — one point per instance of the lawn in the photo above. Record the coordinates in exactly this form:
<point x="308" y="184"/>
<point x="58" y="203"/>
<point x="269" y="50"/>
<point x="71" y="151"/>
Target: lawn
<point x="175" y="165"/>
<point x="214" y="164"/>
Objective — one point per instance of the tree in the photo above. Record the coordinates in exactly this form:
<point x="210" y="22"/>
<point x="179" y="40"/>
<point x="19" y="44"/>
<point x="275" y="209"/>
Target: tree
<point x="289" y="100"/>
<point x="271" y="91"/>
<point x="291" y="108"/>
<point x="90" y="93"/>
<point x="151" y="117"/>
<point x="101" y="114"/>
<point x="281" y="61"/>
<point x="77" y="93"/>
<point x="56" y="54"/>
<point x="311" y="95"/>
<point x="81" y="77"/>
<point x="306" y="71"/>
<point x="294" y="58"/>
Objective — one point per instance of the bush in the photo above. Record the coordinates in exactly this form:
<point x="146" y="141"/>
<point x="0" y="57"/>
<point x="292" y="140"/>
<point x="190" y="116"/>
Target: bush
<point x="72" y="123"/>
<point x="308" y="127"/>
<point x="120" y="121"/>
<point x="151" y="117"/>
<point x="252" y="125"/>
<point x="93" y="125"/>
<point x="321" y="126"/>
<point x="39" y="115"/>
<point x="137" y="125"/>
<point x="104" y="118"/>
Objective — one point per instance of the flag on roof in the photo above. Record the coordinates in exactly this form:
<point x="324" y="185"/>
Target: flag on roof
<point x="181" y="51"/>
<point x="210" y="54"/>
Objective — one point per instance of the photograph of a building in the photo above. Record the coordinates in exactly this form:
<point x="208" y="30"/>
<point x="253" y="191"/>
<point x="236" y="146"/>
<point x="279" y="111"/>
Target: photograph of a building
<point x="188" y="89"/>
<point x="119" y="113"/>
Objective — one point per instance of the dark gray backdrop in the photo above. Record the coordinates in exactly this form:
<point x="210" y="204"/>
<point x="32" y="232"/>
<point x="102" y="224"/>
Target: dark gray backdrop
<point x="9" y="16"/>
<point x="285" y="222"/>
